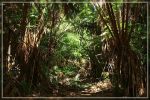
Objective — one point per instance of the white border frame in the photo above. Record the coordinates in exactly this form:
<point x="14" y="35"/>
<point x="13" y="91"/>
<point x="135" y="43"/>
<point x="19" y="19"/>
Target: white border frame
<point x="148" y="49"/>
<point x="76" y="97"/>
<point x="2" y="50"/>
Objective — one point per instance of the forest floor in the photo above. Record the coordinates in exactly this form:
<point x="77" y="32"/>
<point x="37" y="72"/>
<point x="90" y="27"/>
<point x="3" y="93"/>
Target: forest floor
<point x="94" y="89"/>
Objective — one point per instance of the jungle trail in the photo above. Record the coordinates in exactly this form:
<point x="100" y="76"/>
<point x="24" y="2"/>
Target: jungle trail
<point x="93" y="49"/>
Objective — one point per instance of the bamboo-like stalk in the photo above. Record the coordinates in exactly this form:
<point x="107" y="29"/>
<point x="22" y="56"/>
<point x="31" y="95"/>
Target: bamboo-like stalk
<point x="123" y="18"/>
<point x="113" y="22"/>
<point x="123" y="50"/>
<point x="102" y="15"/>
<point x="24" y="19"/>
<point x="133" y="21"/>
<point x="118" y="21"/>
<point x="127" y="21"/>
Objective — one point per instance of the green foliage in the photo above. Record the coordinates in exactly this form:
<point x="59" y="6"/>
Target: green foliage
<point x="105" y="75"/>
<point x="88" y="13"/>
<point x="64" y="74"/>
<point x="69" y="46"/>
<point x="66" y="70"/>
<point x="33" y="16"/>
<point x="72" y="33"/>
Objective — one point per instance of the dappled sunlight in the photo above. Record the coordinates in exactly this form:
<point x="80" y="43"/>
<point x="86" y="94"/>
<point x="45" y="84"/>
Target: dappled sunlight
<point x="94" y="49"/>
<point x="98" y="87"/>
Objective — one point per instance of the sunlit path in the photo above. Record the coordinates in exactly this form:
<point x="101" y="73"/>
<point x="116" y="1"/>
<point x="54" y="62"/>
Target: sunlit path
<point x="74" y="49"/>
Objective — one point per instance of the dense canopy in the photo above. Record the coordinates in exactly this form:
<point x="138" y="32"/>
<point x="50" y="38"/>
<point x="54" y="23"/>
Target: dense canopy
<point x="75" y="49"/>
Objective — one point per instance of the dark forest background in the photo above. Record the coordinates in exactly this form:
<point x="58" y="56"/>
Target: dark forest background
<point x="74" y="49"/>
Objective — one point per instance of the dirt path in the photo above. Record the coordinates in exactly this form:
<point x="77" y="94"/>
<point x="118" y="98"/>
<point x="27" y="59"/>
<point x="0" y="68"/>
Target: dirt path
<point x="98" y="89"/>
<point x="102" y="89"/>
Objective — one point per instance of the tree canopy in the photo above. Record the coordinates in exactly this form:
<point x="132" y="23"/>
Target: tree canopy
<point x="72" y="48"/>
